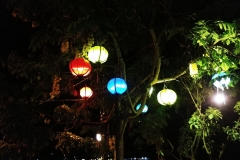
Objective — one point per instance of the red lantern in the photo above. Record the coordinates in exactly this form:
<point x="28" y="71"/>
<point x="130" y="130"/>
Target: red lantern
<point x="86" y="92"/>
<point x="80" y="67"/>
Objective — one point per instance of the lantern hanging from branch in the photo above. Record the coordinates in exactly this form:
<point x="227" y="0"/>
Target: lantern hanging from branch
<point x="86" y="92"/>
<point x="145" y="109"/>
<point x="80" y="67"/>
<point x="97" y="54"/>
<point x="221" y="80"/>
<point x="117" y="86"/>
<point x="193" y="69"/>
<point x="166" y="97"/>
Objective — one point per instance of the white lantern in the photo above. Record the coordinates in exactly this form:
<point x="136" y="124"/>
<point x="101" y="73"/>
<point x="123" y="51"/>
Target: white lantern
<point x="166" y="97"/>
<point x="86" y="92"/>
<point x="97" y="54"/>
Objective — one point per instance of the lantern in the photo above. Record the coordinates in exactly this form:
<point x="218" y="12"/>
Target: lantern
<point x="97" y="54"/>
<point x="86" y="92"/>
<point x="193" y="69"/>
<point x="221" y="80"/>
<point x="166" y="97"/>
<point x="145" y="109"/>
<point x="117" y="85"/>
<point x="80" y="67"/>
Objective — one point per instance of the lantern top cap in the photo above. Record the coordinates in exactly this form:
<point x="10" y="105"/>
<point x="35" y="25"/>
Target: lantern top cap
<point x="219" y="75"/>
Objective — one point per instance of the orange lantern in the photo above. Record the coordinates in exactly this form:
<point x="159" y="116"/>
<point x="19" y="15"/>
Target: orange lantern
<point x="86" y="92"/>
<point x="80" y="67"/>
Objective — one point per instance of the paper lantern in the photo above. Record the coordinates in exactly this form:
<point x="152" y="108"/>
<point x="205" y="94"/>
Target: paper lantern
<point x="221" y="80"/>
<point x="193" y="69"/>
<point x="97" y="54"/>
<point x="117" y="86"/>
<point x="145" y="109"/>
<point x="80" y="67"/>
<point x="166" y="97"/>
<point x="86" y="92"/>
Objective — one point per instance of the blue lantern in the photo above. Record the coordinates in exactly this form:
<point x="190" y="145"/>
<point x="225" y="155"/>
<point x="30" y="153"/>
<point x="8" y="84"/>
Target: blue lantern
<point x="117" y="85"/>
<point x="221" y="80"/>
<point x="145" y="109"/>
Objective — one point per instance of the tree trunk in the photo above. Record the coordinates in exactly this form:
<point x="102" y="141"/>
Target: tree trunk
<point x="119" y="138"/>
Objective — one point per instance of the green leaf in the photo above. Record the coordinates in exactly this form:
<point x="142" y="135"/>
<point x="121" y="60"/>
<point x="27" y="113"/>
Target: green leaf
<point x="210" y="116"/>
<point x="224" y="66"/>
<point x="199" y="63"/>
<point x="237" y="51"/>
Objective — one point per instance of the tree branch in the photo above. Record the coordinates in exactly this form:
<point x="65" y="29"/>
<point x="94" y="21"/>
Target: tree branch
<point x="169" y="79"/>
<point x="157" y="63"/>
<point x="123" y="69"/>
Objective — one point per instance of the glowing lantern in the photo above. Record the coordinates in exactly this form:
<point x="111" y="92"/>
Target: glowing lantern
<point x="221" y="80"/>
<point x="86" y="92"/>
<point x="145" y="109"/>
<point x="98" y="54"/>
<point x="166" y="97"/>
<point x="193" y="69"/>
<point x="117" y="85"/>
<point x="80" y="67"/>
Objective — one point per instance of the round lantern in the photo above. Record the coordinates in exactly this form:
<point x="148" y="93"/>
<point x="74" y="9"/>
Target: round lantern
<point x="86" y="92"/>
<point x="80" y="67"/>
<point x="97" y="54"/>
<point x="145" y="109"/>
<point x="166" y="97"/>
<point x="117" y="85"/>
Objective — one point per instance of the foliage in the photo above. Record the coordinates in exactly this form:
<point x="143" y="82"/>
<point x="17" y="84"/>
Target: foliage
<point x="220" y="41"/>
<point x="233" y="132"/>
<point x="146" y="42"/>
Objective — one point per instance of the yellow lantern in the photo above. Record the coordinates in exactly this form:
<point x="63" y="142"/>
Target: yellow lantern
<point x="166" y="97"/>
<point x="97" y="54"/>
<point x="86" y="92"/>
<point x="193" y="69"/>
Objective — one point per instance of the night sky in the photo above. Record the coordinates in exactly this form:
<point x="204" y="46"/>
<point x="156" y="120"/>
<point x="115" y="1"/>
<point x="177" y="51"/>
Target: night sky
<point x="15" y="35"/>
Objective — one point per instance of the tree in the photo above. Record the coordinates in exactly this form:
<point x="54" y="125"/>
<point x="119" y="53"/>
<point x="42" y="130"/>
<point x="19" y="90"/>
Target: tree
<point x="140" y="37"/>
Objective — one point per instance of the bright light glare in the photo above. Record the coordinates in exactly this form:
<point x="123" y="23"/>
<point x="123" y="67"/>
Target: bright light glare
<point x="98" y="137"/>
<point x="219" y="98"/>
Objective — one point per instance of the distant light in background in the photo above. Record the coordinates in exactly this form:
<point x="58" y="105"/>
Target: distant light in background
<point x="98" y="137"/>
